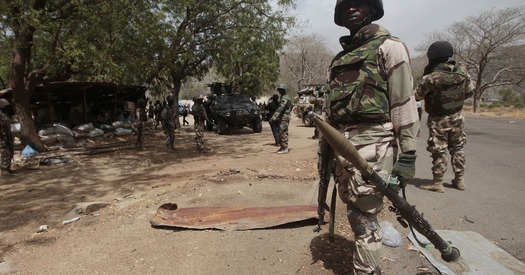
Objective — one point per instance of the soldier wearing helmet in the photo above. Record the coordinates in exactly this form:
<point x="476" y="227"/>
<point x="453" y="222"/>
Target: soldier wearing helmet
<point x="272" y="106"/>
<point x="370" y="99"/>
<point x="142" y="119"/>
<point x="200" y="117"/>
<point x="281" y="117"/>
<point x="167" y="117"/>
<point x="444" y="87"/>
<point x="6" y="140"/>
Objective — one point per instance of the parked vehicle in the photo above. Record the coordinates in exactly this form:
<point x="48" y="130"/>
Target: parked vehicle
<point x="307" y="100"/>
<point x="228" y="110"/>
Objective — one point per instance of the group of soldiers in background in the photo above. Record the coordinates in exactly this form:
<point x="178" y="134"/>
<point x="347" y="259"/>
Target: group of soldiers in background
<point x="164" y="114"/>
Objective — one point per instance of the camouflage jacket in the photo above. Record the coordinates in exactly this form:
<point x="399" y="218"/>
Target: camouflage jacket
<point x="168" y="117"/>
<point x="445" y="89"/>
<point x="284" y="109"/>
<point x="6" y="137"/>
<point x="199" y="112"/>
<point x="370" y="83"/>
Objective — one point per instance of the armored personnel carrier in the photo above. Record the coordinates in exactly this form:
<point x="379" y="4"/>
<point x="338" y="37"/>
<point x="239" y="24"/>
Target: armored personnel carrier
<point x="228" y="110"/>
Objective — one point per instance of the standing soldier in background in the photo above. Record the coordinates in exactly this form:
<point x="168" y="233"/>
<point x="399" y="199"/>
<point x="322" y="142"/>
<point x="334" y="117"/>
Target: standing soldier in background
<point x="142" y="119"/>
<point x="282" y="117"/>
<point x="444" y="87"/>
<point x="6" y="140"/>
<point x="318" y="109"/>
<point x="200" y="117"/>
<point x="151" y="111"/>
<point x="168" y="123"/>
<point x="271" y="108"/>
<point x="157" y="110"/>
<point x="370" y="100"/>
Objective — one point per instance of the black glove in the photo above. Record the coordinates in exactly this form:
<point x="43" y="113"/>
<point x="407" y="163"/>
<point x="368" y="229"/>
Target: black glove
<point x="405" y="167"/>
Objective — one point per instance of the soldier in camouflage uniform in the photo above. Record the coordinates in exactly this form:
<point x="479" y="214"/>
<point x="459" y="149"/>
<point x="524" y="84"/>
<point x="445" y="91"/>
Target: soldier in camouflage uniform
<point x="199" y="115"/>
<point x="369" y="98"/>
<point x="282" y="117"/>
<point x="318" y="109"/>
<point x="167" y="117"/>
<point x="6" y="140"/>
<point x="142" y="118"/>
<point x="444" y="87"/>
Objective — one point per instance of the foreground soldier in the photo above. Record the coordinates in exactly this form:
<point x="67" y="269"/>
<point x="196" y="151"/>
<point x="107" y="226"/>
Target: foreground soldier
<point x="445" y="86"/>
<point x="370" y="101"/>
<point x="167" y="117"/>
<point x="282" y="118"/>
<point x="199" y="116"/>
<point x="6" y="140"/>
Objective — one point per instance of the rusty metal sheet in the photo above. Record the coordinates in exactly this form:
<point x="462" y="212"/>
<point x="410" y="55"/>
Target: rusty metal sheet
<point x="231" y="218"/>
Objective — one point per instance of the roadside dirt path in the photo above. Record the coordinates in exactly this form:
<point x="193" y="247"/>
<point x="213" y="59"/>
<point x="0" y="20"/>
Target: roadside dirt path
<point x="118" y="238"/>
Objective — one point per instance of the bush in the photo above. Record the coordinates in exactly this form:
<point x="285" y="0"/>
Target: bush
<point x="494" y="105"/>
<point x="519" y="105"/>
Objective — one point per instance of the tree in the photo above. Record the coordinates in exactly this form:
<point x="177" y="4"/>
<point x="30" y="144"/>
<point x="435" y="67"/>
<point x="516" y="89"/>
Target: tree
<point x="200" y="34"/>
<point x="64" y="40"/>
<point x="161" y="43"/>
<point x="485" y="43"/>
<point x="305" y="60"/>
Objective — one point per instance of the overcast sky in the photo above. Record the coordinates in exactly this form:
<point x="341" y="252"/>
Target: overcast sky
<point x="410" y="20"/>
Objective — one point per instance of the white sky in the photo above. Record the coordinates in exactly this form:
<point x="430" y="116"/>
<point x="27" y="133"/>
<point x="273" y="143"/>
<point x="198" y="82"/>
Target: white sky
<point x="410" y="20"/>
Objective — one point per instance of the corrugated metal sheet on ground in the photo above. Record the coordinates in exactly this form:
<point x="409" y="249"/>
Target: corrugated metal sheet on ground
<point x="479" y="256"/>
<point x="231" y="218"/>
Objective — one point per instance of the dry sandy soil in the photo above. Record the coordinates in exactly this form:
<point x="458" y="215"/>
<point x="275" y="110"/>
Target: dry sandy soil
<point x="118" y="239"/>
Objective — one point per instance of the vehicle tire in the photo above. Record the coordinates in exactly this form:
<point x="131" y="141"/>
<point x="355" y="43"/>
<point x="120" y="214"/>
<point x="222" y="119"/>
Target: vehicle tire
<point x="221" y="127"/>
<point x="308" y="122"/>
<point x="257" y="125"/>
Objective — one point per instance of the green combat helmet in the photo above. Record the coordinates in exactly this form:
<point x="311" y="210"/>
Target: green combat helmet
<point x="377" y="6"/>
<point x="440" y="49"/>
<point x="281" y="88"/>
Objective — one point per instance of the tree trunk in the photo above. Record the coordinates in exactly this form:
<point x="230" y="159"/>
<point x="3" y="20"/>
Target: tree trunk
<point x="20" y="83"/>
<point x="177" y="84"/>
<point x="476" y="102"/>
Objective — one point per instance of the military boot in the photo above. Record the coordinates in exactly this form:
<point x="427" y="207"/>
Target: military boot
<point x="458" y="182"/>
<point x="436" y="186"/>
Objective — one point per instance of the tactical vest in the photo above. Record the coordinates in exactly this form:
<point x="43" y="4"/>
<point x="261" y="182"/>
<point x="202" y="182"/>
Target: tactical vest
<point x="448" y="90"/>
<point x="358" y="89"/>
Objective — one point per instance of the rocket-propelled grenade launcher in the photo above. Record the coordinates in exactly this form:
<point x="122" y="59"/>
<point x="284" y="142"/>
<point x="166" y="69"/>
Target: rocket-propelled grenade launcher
<point x="346" y="149"/>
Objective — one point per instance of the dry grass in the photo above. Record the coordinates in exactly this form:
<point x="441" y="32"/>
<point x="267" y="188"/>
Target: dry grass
<point x="503" y="112"/>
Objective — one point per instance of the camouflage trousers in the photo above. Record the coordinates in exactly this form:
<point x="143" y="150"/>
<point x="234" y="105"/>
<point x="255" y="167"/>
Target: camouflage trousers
<point x="199" y="135"/>
<point x="6" y="156"/>
<point x="170" y="137"/>
<point x="283" y="131"/>
<point x="365" y="202"/>
<point x="140" y="136"/>
<point x="446" y="133"/>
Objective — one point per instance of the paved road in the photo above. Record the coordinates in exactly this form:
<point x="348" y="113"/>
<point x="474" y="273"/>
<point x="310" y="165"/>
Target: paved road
<point x="493" y="203"/>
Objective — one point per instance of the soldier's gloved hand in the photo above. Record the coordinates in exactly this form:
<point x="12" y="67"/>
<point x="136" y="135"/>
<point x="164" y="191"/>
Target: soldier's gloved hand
<point x="405" y="167"/>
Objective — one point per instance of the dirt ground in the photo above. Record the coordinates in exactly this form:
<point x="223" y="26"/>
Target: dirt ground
<point x="242" y="170"/>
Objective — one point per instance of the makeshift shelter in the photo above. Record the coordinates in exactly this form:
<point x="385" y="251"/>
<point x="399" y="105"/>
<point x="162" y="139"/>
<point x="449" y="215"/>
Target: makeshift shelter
<point x="76" y="103"/>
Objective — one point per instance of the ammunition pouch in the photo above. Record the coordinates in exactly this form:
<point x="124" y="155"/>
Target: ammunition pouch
<point x="358" y="90"/>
